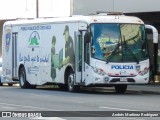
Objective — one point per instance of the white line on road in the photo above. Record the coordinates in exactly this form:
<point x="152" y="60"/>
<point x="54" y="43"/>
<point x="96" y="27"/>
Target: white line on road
<point x="129" y="118"/>
<point x="7" y="107"/>
<point x="29" y="107"/>
<point x="118" y="108"/>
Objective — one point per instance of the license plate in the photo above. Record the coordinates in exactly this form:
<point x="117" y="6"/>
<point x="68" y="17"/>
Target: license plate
<point x="123" y="79"/>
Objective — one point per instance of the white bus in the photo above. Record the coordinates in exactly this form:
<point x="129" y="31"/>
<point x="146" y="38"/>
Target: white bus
<point x="105" y="49"/>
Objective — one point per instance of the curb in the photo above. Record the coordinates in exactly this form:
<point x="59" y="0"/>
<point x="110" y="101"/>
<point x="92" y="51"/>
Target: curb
<point x="149" y="88"/>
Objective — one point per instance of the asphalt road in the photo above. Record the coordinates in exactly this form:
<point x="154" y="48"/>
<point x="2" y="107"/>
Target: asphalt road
<point x="97" y="99"/>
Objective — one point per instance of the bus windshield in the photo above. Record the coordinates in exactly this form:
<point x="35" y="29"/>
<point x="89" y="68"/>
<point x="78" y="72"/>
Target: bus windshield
<point x="119" y="42"/>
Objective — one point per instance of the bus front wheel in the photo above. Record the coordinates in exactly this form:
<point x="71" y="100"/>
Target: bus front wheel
<point x="10" y="84"/>
<point x="70" y="82"/>
<point x="120" y="88"/>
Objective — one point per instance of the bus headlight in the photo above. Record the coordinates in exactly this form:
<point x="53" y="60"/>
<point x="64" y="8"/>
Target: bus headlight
<point x="99" y="71"/>
<point x="143" y="72"/>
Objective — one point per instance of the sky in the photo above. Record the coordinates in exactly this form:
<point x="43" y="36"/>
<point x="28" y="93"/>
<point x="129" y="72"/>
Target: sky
<point x="11" y="9"/>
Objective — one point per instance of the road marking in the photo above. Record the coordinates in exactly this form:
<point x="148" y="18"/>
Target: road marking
<point x="129" y="118"/>
<point x="5" y="107"/>
<point x="118" y="108"/>
<point x="48" y="118"/>
<point x="29" y="107"/>
<point x="73" y="100"/>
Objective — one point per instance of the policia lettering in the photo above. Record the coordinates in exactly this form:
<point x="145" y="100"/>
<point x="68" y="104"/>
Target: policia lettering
<point x="122" y="67"/>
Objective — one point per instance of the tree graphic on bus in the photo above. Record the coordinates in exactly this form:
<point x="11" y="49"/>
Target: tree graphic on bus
<point x="34" y="39"/>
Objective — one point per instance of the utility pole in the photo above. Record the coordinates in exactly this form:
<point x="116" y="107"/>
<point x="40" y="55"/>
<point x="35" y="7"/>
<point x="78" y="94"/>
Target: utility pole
<point x="37" y="8"/>
<point x="71" y="8"/>
<point x="113" y="6"/>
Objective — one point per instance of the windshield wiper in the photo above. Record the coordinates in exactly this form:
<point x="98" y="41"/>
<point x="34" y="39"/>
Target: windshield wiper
<point x="126" y="47"/>
<point x="113" y="53"/>
<point x="129" y="49"/>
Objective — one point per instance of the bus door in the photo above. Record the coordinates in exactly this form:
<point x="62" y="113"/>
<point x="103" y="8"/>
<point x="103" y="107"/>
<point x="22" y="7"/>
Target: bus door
<point x="79" y="57"/>
<point x="9" y="53"/>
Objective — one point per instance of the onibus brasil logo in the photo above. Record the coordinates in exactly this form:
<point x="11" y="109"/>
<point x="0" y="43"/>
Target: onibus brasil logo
<point x="34" y="39"/>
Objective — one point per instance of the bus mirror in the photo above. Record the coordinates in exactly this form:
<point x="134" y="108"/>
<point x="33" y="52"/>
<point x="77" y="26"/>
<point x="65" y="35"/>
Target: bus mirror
<point x="154" y="31"/>
<point x="87" y="37"/>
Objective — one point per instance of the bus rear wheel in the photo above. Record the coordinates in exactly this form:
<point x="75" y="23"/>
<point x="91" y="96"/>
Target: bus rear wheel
<point x="22" y="79"/>
<point x="1" y="84"/>
<point x="120" y="88"/>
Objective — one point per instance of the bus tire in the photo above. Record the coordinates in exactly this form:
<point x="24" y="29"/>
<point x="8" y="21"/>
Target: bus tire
<point x="10" y="84"/>
<point x="120" y="88"/>
<point x="70" y="82"/>
<point x="22" y="79"/>
<point x="1" y="84"/>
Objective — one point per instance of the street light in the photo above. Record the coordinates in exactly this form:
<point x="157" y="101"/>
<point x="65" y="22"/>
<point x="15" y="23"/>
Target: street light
<point x="113" y="5"/>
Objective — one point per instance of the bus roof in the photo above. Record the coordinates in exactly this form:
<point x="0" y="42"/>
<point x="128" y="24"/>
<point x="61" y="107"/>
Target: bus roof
<point x="80" y="18"/>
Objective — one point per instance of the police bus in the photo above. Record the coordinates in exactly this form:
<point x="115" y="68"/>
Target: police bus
<point x="108" y="49"/>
